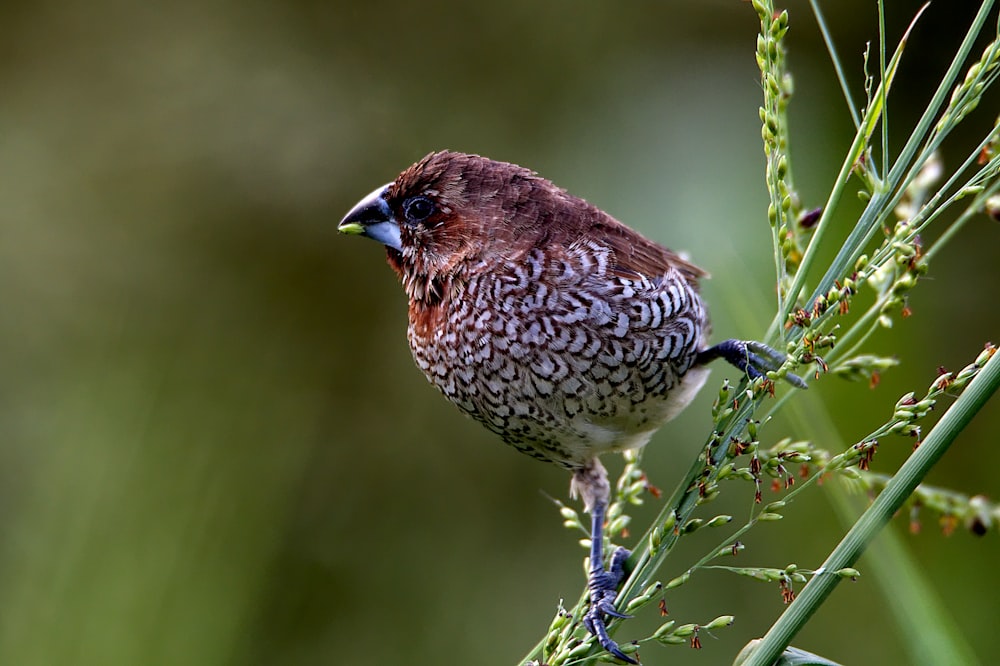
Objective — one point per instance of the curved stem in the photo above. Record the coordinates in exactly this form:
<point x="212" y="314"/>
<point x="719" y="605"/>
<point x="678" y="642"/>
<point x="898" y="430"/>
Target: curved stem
<point x="878" y="514"/>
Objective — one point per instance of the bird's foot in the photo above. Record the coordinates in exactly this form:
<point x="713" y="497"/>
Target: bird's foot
<point x="753" y="358"/>
<point x="603" y="586"/>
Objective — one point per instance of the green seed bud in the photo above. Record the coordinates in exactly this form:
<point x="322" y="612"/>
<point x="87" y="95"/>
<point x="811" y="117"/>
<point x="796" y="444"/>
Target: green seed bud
<point x="655" y="539"/>
<point x="671" y="639"/>
<point x="719" y="520"/>
<point x="677" y="582"/>
<point x="559" y="621"/>
<point x="685" y="630"/>
<point x="664" y="629"/>
<point x="669" y="523"/>
<point x="692" y="525"/>
<point x="720" y="622"/>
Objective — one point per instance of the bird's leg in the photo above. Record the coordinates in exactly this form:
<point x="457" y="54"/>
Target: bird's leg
<point x="753" y="358"/>
<point x="591" y="482"/>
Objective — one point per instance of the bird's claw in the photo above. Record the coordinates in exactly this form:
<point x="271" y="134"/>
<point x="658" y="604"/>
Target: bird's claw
<point x="753" y="358"/>
<point x="603" y="586"/>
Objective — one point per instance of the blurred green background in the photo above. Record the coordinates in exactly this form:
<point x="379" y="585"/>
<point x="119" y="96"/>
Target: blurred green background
<point x="214" y="447"/>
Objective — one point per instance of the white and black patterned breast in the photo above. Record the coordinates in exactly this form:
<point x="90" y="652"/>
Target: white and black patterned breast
<point x="564" y="358"/>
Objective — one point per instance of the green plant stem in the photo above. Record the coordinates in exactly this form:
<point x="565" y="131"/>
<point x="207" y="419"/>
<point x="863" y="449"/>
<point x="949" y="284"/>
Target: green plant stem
<point x="885" y="107"/>
<point x="884" y="200"/>
<point x="929" y="633"/>
<point x="953" y="228"/>
<point x="878" y="514"/>
<point x="837" y="66"/>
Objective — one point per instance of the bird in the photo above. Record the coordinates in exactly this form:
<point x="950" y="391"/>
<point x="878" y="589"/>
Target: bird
<point x="560" y="329"/>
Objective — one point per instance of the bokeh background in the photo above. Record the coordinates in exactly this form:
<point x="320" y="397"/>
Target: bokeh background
<point x="214" y="448"/>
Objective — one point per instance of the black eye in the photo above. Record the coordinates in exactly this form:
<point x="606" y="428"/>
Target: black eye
<point x="418" y="209"/>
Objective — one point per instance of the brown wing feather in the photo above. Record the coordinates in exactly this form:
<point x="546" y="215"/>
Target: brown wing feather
<point x="636" y="254"/>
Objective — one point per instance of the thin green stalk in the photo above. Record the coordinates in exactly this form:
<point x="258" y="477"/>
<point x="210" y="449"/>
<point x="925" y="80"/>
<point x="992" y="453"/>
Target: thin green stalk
<point x="837" y="66"/>
<point x="883" y="89"/>
<point x="967" y="214"/>
<point x="881" y="200"/>
<point x="927" y="630"/>
<point x="930" y="635"/>
<point x="878" y="514"/>
<point x="861" y="139"/>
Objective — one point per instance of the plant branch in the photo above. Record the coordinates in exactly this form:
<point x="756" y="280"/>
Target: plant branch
<point x="878" y="514"/>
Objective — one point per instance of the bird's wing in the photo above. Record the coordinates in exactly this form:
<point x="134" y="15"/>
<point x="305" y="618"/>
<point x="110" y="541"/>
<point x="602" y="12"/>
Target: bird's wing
<point x="636" y="255"/>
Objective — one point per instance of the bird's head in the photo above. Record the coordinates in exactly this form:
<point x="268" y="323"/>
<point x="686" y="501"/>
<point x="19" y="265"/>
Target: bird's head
<point x="452" y="210"/>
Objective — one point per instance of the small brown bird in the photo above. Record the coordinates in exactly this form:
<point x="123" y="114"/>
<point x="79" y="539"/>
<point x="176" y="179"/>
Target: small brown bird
<point x="551" y="323"/>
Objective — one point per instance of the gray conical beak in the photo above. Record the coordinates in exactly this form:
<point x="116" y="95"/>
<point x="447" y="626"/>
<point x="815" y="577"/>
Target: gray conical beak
<point x="372" y="217"/>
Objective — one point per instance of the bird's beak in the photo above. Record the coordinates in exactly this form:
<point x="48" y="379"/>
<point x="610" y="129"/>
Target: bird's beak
<point x="372" y="217"/>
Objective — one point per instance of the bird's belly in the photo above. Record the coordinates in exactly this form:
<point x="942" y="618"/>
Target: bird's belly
<point x="564" y="408"/>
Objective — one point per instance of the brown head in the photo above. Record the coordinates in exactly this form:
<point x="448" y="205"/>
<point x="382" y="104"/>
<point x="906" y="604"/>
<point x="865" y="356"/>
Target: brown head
<point x="452" y="210"/>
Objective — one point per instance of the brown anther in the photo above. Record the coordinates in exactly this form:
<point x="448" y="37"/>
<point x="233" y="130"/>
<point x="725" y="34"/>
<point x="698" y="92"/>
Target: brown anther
<point x="787" y="593"/>
<point x="625" y="533"/>
<point x="874" y="380"/>
<point x="736" y="548"/>
<point x="768" y="386"/>
<point x="695" y="641"/>
<point x="650" y="488"/>
<point x="663" y="608"/>
<point x="906" y="312"/>
<point x="757" y="498"/>
<point x="775" y="486"/>
<point x="755" y="465"/>
<point x="804" y="471"/>
<point x="867" y="453"/>
<point x="948" y="524"/>
<point x="800" y="318"/>
<point x="844" y="306"/>
<point x="944" y="381"/>
<point x="985" y="155"/>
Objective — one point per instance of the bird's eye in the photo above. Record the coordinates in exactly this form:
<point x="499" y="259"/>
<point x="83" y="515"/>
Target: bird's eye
<point x="418" y="209"/>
